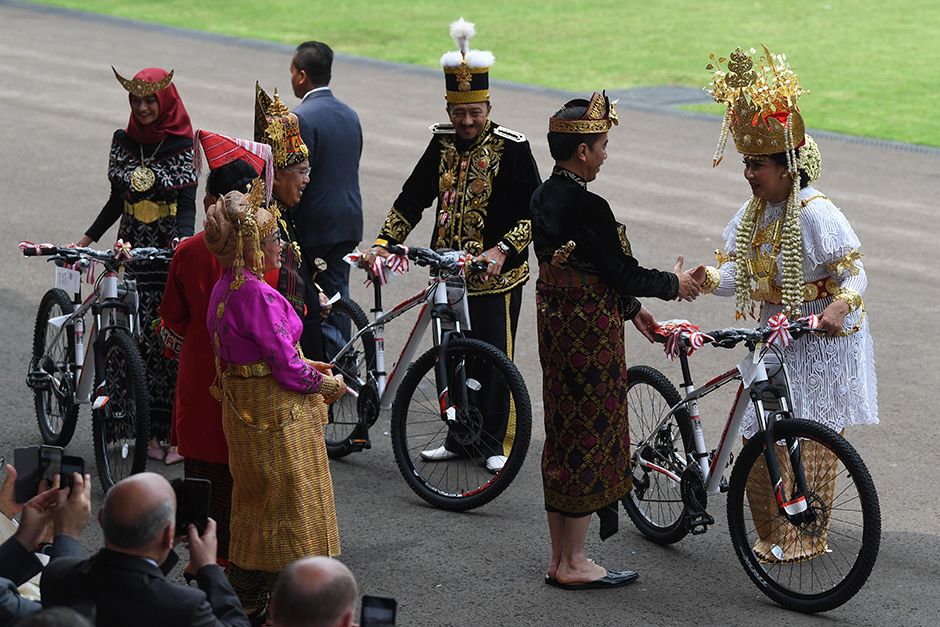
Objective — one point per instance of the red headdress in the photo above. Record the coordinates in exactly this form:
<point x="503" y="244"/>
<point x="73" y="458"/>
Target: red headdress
<point x="172" y="120"/>
<point x="222" y="149"/>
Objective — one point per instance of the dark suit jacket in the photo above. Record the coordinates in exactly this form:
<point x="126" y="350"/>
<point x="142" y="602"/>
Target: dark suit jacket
<point x="330" y="210"/>
<point x="129" y="590"/>
<point x="18" y="565"/>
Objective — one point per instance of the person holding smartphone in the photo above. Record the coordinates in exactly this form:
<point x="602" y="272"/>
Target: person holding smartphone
<point x="67" y="510"/>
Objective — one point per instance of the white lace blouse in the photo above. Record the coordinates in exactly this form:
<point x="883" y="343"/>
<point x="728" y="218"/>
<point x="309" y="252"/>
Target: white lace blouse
<point x="833" y="380"/>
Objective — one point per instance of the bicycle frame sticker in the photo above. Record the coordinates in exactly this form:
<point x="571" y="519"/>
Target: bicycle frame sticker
<point x="68" y="280"/>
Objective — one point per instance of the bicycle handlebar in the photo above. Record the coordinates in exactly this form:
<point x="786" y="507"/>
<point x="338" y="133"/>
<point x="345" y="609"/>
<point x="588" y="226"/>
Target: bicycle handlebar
<point x="108" y="257"/>
<point x="448" y="263"/>
<point x="731" y="337"/>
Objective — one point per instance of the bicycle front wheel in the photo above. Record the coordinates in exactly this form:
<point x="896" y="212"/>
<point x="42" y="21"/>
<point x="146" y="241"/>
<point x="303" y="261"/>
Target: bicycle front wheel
<point x="819" y="563"/>
<point x="495" y="394"/>
<point x="121" y="426"/>
<point x="50" y="375"/>
<point x="355" y="366"/>
<point x="655" y="503"/>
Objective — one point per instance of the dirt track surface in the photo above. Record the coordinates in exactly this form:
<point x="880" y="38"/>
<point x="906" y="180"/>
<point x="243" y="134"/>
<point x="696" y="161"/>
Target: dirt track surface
<point x="59" y="105"/>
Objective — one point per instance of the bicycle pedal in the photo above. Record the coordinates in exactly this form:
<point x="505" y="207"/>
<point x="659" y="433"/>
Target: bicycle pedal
<point x="360" y="445"/>
<point x="698" y="524"/>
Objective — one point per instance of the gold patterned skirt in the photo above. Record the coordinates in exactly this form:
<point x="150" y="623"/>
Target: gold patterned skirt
<point x="282" y="493"/>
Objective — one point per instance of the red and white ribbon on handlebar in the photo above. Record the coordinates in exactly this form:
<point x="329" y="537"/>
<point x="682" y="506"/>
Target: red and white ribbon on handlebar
<point x="25" y="245"/>
<point x="673" y="331"/>
<point x="122" y="250"/>
<point x="779" y="330"/>
<point x="812" y="321"/>
<point x="382" y="267"/>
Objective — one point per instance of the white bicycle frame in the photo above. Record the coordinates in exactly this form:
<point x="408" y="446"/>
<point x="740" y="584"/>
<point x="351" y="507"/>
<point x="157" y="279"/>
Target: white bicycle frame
<point x="751" y="370"/>
<point x="432" y="296"/>
<point x="84" y="363"/>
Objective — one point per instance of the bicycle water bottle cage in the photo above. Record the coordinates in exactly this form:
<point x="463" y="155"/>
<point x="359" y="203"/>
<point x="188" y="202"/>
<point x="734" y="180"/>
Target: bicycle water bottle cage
<point x="695" y="498"/>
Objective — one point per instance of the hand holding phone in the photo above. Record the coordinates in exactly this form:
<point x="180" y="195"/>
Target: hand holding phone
<point x="192" y="503"/>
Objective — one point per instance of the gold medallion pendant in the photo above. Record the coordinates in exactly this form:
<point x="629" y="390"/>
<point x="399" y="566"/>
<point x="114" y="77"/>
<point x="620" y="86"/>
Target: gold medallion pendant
<point x="142" y="178"/>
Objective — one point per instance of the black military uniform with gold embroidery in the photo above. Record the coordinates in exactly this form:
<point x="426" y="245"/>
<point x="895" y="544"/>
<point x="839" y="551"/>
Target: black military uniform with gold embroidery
<point x="482" y="189"/>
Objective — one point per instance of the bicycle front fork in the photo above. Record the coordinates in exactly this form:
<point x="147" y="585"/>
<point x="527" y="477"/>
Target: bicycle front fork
<point x="795" y="506"/>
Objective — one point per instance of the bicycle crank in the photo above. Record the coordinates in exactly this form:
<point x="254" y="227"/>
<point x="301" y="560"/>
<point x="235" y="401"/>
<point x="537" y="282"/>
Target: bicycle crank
<point x="695" y="498"/>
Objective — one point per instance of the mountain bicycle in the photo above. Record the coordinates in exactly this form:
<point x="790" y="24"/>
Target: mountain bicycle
<point x="802" y="509"/>
<point x="447" y="390"/>
<point x="111" y="377"/>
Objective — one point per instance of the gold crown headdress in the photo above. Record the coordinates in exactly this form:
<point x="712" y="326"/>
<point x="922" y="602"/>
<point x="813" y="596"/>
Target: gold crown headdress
<point x="598" y="118"/>
<point x="141" y="88"/>
<point x="764" y="119"/>
<point x="277" y="126"/>
<point x="762" y="115"/>
<point x="466" y="71"/>
<point x="256" y="224"/>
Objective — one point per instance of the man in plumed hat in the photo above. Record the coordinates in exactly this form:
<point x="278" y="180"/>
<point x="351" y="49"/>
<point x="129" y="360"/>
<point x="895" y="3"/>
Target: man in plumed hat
<point x="482" y="176"/>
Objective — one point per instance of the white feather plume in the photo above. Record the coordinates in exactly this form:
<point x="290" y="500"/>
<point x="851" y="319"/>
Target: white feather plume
<point x="462" y="31"/>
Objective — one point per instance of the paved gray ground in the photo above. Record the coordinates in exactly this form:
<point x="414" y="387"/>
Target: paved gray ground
<point x="59" y="105"/>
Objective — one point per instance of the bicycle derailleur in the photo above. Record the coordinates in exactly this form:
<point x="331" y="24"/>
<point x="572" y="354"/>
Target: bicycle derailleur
<point x="695" y="499"/>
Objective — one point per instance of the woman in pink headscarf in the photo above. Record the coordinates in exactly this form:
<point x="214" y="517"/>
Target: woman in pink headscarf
<point x="153" y="193"/>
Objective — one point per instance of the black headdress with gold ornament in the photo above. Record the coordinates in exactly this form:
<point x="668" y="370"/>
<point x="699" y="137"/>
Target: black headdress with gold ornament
<point x="598" y="118"/>
<point x="277" y="126"/>
<point x="466" y="71"/>
<point x="143" y="88"/>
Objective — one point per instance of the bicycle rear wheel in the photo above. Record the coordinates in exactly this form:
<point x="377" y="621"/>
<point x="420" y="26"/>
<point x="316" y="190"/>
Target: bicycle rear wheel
<point x="464" y="482"/>
<point x="355" y="365"/>
<point x="121" y="427"/>
<point x="655" y="503"/>
<point x="811" y="566"/>
<point x="50" y="375"/>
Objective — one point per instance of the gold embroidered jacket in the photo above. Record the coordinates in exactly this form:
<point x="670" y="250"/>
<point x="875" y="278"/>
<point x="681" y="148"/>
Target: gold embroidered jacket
<point x="483" y="192"/>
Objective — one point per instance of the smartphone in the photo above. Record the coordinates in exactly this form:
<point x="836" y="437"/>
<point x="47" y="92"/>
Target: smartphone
<point x="50" y="463"/>
<point x="26" y="462"/>
<point x="70" y="464"/>
<point x="192" y="503"/>
<point x="377" y="611"/>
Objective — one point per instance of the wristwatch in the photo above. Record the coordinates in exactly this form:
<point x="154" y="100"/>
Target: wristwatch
<point x="503" y="247"/>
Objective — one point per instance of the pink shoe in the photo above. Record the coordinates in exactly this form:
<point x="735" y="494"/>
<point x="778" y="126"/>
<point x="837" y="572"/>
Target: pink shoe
<point x="173" y="456"/>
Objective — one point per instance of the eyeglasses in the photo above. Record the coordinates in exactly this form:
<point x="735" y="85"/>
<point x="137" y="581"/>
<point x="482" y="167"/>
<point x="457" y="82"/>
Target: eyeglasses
<point x="303" y="172"/>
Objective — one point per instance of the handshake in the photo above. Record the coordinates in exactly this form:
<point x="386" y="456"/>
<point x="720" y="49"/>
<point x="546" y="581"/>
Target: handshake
<point x="690" y="281"/>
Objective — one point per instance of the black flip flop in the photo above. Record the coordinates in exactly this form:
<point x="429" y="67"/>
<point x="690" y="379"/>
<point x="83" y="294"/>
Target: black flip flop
<point x="613" y="579"/>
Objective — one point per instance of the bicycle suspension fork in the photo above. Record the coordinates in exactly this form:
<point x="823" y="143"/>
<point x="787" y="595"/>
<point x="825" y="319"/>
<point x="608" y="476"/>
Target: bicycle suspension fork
<point x="378" y="334"/>
<point x="795" y="507"/>
<point x="698" y="435"/>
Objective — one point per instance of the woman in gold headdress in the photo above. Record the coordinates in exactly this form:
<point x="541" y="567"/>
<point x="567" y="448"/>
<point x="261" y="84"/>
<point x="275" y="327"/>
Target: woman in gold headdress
<point x="273" y="405"/>
<point x="791" y="249"/>
<point x="153" y="194"/>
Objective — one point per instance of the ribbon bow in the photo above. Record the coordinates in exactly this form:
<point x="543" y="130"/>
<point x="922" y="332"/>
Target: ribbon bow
<point x="122" y="250"/>
<point x="812" y="321"/>
<point x="672" y="330"/>
<point x="382" y="267"/>
<point x="780" y="330"/>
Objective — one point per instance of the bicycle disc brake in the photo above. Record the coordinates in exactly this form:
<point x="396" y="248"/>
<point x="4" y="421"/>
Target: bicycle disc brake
<point x="469" y="426"/>
<point x="695" y="498"/>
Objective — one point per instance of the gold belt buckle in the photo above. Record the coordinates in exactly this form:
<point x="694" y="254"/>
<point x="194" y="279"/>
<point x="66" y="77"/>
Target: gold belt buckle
<point x="148" y="211"/>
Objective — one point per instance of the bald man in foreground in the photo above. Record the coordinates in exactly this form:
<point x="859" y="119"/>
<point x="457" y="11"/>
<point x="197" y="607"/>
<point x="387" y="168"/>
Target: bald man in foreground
<point x="315" y="592"/>
<point x="124" y="582"/>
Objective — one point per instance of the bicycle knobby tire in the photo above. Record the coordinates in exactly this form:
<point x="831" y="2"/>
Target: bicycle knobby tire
<point x="817" y="566"/>
<point x="359" y="361"/>
<point x="416" y="425"/>
<point x="655" y="503"/>
<point x="121" y="428"/>
<point x="51" y="410"/>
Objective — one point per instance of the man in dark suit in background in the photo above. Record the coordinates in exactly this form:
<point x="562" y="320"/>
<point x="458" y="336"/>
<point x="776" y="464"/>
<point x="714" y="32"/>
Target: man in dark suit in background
<point x="124" y="581"/>
<point x="329" y="216"/>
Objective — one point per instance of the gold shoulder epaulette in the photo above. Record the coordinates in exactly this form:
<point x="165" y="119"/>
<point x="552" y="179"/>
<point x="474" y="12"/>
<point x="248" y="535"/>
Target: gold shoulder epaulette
<point x="442" y="128"/>
<point x="508" y="133"/>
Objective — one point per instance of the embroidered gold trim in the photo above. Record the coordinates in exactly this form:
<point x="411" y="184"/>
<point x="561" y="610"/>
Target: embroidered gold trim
<point x="395" y="226"/>
<point x="499" y="283"/>
<point x="846" y="265"/>
<point x="466" y="97"/>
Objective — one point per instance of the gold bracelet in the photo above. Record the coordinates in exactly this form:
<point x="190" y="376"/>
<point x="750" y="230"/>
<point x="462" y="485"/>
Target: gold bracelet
<point x="712" y="280"/>
<point x="850" y="297"/>
<point x="379" y="241"/>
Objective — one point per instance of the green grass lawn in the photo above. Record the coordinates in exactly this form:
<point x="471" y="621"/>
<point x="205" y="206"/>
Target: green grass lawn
<point x="871" y="66"/>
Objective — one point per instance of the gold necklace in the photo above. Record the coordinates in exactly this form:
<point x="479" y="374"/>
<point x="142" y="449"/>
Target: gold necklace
<point x="142" y="178"/>
<point x="763" y="266"/>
